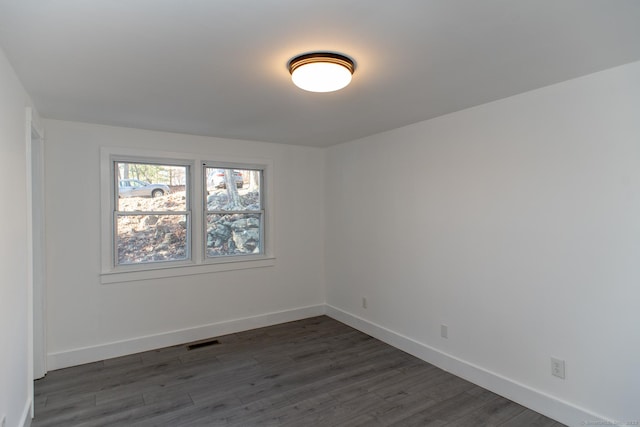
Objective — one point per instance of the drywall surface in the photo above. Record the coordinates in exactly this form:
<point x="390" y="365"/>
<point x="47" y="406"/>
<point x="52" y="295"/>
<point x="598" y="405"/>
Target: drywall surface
<point x="85" y="314"/>
<point x="14" y="372"/>
<point x="516" y="224"/>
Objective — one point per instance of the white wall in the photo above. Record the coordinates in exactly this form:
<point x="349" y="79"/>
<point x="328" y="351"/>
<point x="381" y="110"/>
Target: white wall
<point x="515" y="223"/>
<point x="14" y="372"/>
<point x="88" y="320"/>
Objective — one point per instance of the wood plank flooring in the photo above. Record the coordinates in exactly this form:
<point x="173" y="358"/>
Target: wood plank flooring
<point x="313" y="372"/>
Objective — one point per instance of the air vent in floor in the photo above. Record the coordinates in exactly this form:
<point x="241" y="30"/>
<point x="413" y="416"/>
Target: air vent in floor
<point x="201" y="344"/>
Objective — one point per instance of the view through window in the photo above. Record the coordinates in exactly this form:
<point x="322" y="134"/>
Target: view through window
<point x="234" y="213"/>
<point x="152" y="217"/>
<point x="152" y="213"/>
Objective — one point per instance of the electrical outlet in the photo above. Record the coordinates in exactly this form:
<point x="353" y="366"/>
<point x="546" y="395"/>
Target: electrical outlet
<point x="557" y="367"/>
<point x="364" y="302"/>
<point x="444" y="331"/>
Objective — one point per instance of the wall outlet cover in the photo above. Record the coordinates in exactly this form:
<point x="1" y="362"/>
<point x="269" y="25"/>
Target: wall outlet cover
<point x="444" y="331"/>
<point x="557" y="367"/>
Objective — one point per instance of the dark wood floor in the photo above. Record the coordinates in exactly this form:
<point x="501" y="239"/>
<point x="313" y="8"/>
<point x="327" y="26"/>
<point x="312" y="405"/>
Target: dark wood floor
<point x="313" y="372"/>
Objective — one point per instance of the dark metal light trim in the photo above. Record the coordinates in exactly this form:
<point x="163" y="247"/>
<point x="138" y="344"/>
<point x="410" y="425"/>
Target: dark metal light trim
<point x="310" y="58"/>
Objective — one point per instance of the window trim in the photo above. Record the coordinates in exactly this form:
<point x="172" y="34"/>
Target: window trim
<point x="198" y="262"/>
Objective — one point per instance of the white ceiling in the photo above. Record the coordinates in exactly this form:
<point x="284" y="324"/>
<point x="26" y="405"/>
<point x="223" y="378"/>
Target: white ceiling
<point x="219" y="68"/>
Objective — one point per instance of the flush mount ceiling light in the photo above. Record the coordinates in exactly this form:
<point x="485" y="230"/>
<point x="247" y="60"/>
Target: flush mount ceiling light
<point x="321" y="71"/>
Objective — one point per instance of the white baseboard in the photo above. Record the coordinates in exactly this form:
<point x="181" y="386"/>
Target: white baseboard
<point x="96" y="353"/>
<point x="25" y="418"/>
<point x="536" y="400"/>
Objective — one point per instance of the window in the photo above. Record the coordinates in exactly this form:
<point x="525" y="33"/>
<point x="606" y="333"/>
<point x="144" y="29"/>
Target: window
<point x="151" y="221"/>
<point x="234" y="212"/>
<point x="168" y="214"/>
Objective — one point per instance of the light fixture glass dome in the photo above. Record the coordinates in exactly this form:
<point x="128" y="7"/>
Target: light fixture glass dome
<point x="321" y="71"/>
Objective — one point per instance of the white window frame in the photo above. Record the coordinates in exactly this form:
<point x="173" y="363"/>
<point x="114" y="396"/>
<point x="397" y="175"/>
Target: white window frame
<point x="188" y="212"/>
<point x="262" y="211"/>
<point x="198" y="262"/>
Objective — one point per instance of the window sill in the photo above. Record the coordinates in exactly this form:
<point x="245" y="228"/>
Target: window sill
<point x="185" y="270"/>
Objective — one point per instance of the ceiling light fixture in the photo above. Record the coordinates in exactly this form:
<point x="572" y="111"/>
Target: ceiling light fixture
<point x="321" y="71"/>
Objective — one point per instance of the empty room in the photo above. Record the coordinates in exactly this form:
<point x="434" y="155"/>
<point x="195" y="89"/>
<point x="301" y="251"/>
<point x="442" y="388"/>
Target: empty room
<point x="325" y="213"/>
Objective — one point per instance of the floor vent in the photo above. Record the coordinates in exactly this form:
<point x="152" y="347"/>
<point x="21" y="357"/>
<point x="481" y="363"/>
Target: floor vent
<point x="201" y="344"/>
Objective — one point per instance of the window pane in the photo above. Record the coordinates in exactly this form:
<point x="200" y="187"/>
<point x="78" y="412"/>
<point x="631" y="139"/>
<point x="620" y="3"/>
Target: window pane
<point x="150" y="187"/>
<point x="243" y="196"/>
<point x="176" y="201"/>
<point x="233" y="234"/>
<point x="151" y="238"/>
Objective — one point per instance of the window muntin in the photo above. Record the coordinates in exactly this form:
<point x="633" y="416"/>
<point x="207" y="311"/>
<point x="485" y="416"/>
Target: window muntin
<point x="151" y="223"/>
<point x="234" y="214"/>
